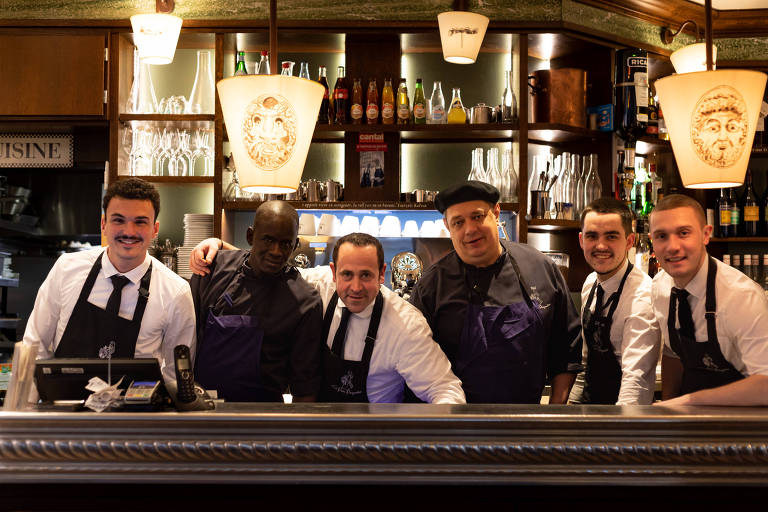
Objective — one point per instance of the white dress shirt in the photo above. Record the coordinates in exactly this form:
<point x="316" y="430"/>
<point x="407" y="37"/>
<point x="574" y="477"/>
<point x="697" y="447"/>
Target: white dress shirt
<point x="635" y="334"/>
<point x="404" y="348"/>
<point x="169" y="318"/>
<point x="741" y="320"/>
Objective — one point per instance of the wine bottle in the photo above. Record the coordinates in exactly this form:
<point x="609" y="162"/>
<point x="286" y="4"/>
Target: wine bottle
<point x="735" y="212"/>
<point x="764" y="213"/>
<point x="750" y="209"/>
<point x="322" y="116"/>
<point x="724" y="210"/>
<point x="631" y="94"/>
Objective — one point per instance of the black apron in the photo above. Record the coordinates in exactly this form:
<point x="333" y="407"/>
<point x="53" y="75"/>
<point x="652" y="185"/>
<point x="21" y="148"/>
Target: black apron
<point x="346" y="381"/>
<point x="602" y="378"/>
<point x="91" y="329"/>
<point x="704" y="365"/>
<point x="501" y="356"/>
<point x="229" y="355"/>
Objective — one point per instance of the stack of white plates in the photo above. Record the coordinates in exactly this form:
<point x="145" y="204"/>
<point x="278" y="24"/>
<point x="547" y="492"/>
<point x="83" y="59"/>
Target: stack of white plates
<point x="197" y="227"/>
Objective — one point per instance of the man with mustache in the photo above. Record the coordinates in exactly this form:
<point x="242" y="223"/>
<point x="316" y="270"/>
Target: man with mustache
<point x="120" y="294"/>
<point x="620" y="332"/>
<point x="258" y="321"/>
<point x="714" y="318"/>
<point x="501" y="311"/>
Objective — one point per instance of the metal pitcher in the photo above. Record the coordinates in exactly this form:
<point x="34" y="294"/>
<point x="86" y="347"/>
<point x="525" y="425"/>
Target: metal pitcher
<point x="314" y="190"/>
<point x="333" y="190"/>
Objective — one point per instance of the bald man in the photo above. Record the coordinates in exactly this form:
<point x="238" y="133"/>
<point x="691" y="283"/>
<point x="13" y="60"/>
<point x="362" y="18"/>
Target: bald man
<point x="259" y="323"/>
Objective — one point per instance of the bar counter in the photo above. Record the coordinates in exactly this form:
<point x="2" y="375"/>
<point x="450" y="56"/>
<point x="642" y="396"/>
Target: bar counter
<point x="391" y="444"/>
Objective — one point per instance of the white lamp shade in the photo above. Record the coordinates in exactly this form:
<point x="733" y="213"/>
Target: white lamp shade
<point x="711" y="117"/>
<point x="270" y="120"/>
<point x="692" y="58"/>
<point x="461" y="34"/>
<point x="156" y="35"/>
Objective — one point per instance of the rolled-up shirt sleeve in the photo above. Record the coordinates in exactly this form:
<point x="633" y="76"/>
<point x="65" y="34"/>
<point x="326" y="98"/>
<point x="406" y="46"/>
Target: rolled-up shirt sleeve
<point x="44" y="319"/>
<point x="180" y="330"/>
<point x="640" y="345"/>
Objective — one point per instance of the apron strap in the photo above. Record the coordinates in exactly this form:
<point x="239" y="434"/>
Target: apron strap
<point x="614" y="298"/>
<point x="328" y="317"/>
<point x="141" y="302"/>
<point x="85" y="291"/>
<point x="373" y="329"/>
<point x="711" y="302"/>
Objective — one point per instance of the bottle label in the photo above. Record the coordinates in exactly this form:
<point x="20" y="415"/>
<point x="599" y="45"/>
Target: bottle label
<point x="735" y="217"/>
<point x="372" y="112"/>
<point x="325" y="94"/>
<point x="387" y="111"/>
<point x="340" y="94"/>
<point x="751" y="213"/>
<point x="438" y="113"/>
<point x="725" y="216"/>
<point x="403" y="112"/>
<point x="419" y="112"/>
<point x="356" y="111"/>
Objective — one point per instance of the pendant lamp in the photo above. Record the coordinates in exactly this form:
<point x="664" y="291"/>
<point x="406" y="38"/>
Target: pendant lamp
<point x="155" y="35"/>
<point x="270" y="120"/>
<point x="711" y="116"/>
<point x="461" y="34"/>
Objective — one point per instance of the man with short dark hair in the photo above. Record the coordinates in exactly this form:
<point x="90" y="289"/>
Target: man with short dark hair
<point x="120" y="294"/>
<point x="501" y="311"/>
<point x="375" y="342"/>
<point x="258" y="321"/>
<point x="713" y="317"/>
<point x="620" y="332"/>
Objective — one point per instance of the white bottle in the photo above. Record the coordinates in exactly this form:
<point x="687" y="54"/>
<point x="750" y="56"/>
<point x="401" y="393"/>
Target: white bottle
<point x="437" y="108"/>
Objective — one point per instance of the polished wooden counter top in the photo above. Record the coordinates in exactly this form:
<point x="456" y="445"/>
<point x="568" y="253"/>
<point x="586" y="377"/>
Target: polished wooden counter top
<point x="391" y="443"/>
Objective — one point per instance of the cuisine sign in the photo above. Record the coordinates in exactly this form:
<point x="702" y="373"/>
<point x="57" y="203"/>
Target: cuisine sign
<point x="35" y="150"/>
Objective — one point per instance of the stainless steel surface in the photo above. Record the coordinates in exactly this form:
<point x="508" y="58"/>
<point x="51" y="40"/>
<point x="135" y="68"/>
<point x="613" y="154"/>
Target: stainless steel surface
<point x="333" y="190"/>
<point x="391" y="443"/>
<point x="12" y="205"/>
<point x="481" y="114"/>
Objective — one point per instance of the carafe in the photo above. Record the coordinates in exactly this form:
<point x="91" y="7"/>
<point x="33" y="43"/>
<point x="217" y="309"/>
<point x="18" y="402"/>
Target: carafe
<point x="141" y="99"/>
<point x="202" y="96"/>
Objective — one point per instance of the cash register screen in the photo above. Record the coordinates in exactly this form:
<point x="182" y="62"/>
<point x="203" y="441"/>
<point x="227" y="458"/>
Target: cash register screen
<point x="65" y="379"/>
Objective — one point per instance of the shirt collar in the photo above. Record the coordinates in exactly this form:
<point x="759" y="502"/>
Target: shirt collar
<point x="698" y="285"/>
<point x="611" y="284"/>
<point x="366" y="313"/>
<point x="133" y="276"/>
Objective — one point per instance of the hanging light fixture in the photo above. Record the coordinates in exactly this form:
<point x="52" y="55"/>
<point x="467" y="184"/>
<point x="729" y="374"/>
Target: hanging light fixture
<point x="711" y="117"/>
<point x="692" y="57"/>
<point x="461" y="33"/>
<point x="156" y="35"/>
<point x="270" y="121"/>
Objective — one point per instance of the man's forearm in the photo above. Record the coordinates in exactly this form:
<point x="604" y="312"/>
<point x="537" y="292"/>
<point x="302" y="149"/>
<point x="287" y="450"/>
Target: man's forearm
<point x="561" y="387"/>
<point x="750" y="391"/>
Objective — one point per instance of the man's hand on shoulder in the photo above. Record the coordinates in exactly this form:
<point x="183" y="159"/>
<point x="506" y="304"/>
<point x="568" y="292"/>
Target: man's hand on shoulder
<point x="203" y="255"/>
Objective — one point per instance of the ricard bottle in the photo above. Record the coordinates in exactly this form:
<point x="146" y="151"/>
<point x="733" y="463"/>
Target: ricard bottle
<point x="631" y="94"/>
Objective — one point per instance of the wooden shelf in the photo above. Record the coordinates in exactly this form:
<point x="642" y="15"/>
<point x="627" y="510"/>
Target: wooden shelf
<point x="421" y="132"/>
<point x="742" y="239"/>
<point x="349" y="205"/>
<point x="171" y="179"/>
<point x="556" y="132"/>
<point x="166" y="117"/>
<point x="553" y="225"/>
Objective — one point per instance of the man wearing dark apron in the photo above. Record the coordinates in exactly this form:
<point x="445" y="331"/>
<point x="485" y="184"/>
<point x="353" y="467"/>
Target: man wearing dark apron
<point x="714" y="317"/>
<point x="500" y="311"/>
<point x="621" y="334"/>
<point x="118" y="301"/>
<point x="258" y="321"/>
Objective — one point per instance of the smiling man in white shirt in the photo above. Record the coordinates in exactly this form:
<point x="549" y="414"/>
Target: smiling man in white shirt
<point x="120" y="294"/>
<point x="620" y="332"/>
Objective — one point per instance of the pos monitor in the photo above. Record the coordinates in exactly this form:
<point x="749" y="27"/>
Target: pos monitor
<point x="65" y="379"/>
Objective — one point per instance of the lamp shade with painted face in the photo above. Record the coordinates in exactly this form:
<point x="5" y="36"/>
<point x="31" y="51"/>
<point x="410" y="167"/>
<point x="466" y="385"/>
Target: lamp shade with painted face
<point x="156" y="35"/>
<point x="270" y="120"/>
<point x="711" y="117"/>
<point x="461" y="34"/>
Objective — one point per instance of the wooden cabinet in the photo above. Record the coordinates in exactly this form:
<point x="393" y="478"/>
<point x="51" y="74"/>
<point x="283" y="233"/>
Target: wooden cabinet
<point x="52" y="74"/>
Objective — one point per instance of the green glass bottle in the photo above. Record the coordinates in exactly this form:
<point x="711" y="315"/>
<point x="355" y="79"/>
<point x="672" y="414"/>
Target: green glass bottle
<point x="419" y="104"/>
<point x="240" y="65"/>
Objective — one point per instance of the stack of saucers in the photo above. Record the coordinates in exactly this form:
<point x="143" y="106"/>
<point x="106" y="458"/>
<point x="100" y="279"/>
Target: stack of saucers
<point x="197" y="227"/>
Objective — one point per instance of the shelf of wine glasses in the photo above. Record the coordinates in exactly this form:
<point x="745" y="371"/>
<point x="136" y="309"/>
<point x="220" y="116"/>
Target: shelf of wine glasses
<point x="166" y="117"/>
<point x="553" y="225"/>
<point x="171" y="179"/>
<point x="556" y="132"/>
<point x="246" y="205"/>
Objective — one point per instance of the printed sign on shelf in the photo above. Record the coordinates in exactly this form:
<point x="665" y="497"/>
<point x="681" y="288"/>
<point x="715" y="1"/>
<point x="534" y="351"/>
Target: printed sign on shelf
<point x="35" y="150"/>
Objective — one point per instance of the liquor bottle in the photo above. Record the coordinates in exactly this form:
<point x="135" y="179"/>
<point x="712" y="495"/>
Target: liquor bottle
<point x="419" y="104"/>
<point x="403" y="103"/>
<point x="653" y="264"/>
<point x="437" y="105"/>
<point x="750" y="209"/>
<point x="631" y="91"/>
<point x="508" y="100"/>
<point x="240" y="65"/>
<point x="287" y="68"/>
<point x="663" y="131"/>
<point x="748" y="266"/>
<point x="764" y="213"/>
<point x="304" y="70"/>
<point x="629" y="174"/>
<point x="735" y="212"/>
<point x="341" y="97"/>
<point x="456" y="114"/>
<point x="263" y="67"/>
<point x="736" y="261"/>
<point x="387" y="103"/>
<point x="372" y="100"/>
<point x="648" y="205"/>
<point x="652" y="128"/>
<point x="356" y="109"/>
<point x="765" y="273"/>
<point x="724" y="215"/>
<point x="756" y="274"/>
<point x="323" y="116"/>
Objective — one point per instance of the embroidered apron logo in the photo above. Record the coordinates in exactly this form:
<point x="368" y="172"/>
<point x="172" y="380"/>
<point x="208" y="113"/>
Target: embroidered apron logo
<point x="347" y="385"/>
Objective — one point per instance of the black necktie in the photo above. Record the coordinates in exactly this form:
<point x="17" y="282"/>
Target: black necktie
<point x="599" y="300"/>
<point x="341" y="333"/>
<point x="118" y="282"/>
<point x="684" y="314"/>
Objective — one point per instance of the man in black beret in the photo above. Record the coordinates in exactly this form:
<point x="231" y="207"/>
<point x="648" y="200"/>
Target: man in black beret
<point x="501" y="311"/>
